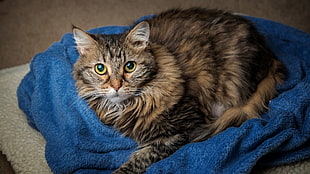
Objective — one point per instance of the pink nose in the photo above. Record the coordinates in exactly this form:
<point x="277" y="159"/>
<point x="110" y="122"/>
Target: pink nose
<point x="116" y="84"/>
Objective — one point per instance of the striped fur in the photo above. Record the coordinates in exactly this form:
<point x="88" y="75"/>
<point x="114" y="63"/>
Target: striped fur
<point x="195" y="73"/>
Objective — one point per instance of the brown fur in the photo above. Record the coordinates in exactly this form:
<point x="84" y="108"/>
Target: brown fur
<point x="197" y="72"/>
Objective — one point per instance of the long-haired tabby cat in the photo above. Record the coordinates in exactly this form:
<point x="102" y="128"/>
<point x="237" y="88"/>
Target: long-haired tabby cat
<point x="179" y="77"/>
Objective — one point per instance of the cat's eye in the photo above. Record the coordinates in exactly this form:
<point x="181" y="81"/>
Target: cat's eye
<point x="130" y="66"/>
<point x="100" y="69"/>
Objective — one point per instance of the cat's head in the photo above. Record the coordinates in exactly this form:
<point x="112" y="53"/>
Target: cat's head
<point x="115" y="67"/>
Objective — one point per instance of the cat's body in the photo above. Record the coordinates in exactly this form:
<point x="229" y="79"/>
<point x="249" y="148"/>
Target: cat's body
<point x="179" y="77"/>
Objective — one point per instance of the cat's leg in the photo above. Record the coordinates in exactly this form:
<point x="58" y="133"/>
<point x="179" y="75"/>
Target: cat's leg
<point x="151" y="153"/>
<point x="255" y="105"/>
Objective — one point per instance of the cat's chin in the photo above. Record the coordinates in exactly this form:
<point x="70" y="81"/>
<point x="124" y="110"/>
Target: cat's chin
<point x="117" y="97"/>
<point x="117" y="100"/>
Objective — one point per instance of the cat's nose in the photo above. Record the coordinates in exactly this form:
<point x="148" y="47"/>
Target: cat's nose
<point x="116" y="84"/>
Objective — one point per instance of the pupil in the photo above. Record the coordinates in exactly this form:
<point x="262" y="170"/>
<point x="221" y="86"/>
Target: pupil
<point x="100" y="68"/>
<point x="130" y="65"/>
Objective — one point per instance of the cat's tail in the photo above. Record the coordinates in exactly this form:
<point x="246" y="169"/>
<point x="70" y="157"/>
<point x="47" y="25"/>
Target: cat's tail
<point x="254" y="106"/>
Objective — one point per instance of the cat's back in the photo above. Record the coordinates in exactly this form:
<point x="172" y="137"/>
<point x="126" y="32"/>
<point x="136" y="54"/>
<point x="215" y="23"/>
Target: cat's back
<point x="207" y="39"/>
<point x="188" y="14"/>
<point x="194" y="24"/>
<point x="217" y="51"/>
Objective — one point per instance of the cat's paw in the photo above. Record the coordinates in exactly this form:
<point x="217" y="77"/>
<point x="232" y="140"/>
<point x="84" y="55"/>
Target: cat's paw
<point x="123" y="170"/>
<point x="118" y="171"/>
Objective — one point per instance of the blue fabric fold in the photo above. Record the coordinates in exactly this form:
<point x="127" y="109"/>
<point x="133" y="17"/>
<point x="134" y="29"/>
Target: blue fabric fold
<point x="77" y="142"/>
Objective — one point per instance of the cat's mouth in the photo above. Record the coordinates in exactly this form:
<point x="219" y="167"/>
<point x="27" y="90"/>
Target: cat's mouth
<point x="117" y="97"/>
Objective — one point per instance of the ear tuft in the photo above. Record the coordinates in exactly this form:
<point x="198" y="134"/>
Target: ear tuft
<point x="83" y="41"/>
<point x="138" y="37"/>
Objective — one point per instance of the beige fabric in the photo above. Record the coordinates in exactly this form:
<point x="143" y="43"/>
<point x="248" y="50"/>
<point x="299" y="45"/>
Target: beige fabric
<point x="23" y="146"/>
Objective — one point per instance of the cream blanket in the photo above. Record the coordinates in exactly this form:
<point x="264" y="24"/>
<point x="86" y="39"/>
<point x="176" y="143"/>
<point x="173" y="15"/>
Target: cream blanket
<point x="23" y="146"/>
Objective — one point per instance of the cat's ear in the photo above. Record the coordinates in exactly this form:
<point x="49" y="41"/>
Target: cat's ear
<point x="138" y="37"/>
<point x="85" y="43"/>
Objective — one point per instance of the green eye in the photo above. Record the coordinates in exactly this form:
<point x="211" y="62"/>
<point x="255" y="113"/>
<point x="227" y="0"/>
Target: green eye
<point x="130" y="66"/>
<point x="100" y="69"/>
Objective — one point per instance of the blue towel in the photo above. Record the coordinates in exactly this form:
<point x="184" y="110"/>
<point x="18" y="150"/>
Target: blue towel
<point x="77" y="142"/>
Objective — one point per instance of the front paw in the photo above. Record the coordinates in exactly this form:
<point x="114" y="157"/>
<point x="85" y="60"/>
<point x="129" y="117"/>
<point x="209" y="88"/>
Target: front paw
<point x="118" y="171"/>
<point x="124" y="170"/>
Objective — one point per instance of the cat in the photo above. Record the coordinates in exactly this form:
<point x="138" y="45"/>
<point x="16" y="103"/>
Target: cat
<point x="181" y="76"/>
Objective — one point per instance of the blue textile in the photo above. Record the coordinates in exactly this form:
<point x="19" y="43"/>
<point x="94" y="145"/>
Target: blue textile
<point x="77" y="142"/>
